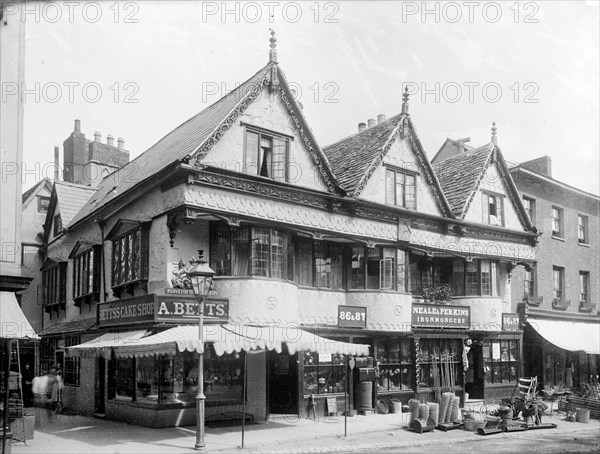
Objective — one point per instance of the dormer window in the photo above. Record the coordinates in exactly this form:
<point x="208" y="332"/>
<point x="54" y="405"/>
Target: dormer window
<point x="266" y="154"/>
<point x="493" y="208"/>
<point x="400" y="188"/>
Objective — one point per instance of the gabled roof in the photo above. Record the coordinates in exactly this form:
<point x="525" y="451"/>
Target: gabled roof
<point x="33" y="191"/>
<point x="71" y="197"/>
<point x="461" y="175"/>
<point x="355" y="158"/>
<point x="193" y="139"/>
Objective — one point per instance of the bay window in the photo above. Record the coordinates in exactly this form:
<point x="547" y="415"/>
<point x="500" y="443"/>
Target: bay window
<point x="375" y="268"/>
<point x="86" y="276"/>
<point x="129" y="259"/>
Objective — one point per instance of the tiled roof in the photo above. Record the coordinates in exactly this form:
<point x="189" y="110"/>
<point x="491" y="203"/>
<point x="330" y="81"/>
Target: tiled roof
<point x="459" y="176"/>
<point x="350" y="158"/>
<point x="176" y="145"/>
<point x="35" y="187"/>
<point x="72" y="326"/>
<point x="71" y="197"/>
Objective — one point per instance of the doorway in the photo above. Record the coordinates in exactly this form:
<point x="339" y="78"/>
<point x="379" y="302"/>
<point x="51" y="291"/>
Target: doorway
<point x="283" y="382"/>
<point x="474" y="375"/>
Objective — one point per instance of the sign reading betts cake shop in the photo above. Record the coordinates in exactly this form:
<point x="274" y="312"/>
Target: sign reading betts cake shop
<point x="437" y="316"/>
<point x="177" y="309"/>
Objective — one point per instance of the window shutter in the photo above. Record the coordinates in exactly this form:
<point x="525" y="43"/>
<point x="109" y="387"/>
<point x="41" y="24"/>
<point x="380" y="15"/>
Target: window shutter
<point x="279" y="167"/>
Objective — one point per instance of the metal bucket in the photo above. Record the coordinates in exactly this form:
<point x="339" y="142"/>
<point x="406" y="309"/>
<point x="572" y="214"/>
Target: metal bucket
<point x="396" y="406"/>
<point x="582" y="415"/>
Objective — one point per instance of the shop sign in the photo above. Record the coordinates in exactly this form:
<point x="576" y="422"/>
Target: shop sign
<point x="185" y="291"/>
<point x="352" y="317"/>
<point x="437" y="316"/>
<point x="184" y="309"/>
<point x="510" y="322"/>
<point x="132" y="310"/>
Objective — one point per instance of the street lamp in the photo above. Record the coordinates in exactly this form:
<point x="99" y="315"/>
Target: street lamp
<point x="201" y="276"/>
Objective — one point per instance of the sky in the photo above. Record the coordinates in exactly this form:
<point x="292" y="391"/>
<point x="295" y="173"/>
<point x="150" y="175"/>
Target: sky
<point x="139" y="69"/>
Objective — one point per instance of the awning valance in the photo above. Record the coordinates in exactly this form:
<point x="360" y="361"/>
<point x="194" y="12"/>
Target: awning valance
<point x="13" y="323"/>
<point x="230" y="338"/>
<point x="108" y="340"/>
<point x="569" y="335"/>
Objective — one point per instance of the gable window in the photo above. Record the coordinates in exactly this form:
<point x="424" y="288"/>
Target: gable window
<point x="54" y="284"/>
<point x="400" y="189"/>
<point x="86" y="276"/>
<point x="557" y="222"/>
<point x="266" y="155"/>
<point x="43" y="203"/>
<point x="493" y="208"/>
<point x="582" y="229"/>
<point x="530" y="208"/>
<point x="129" y="259"/>
<point x="584" y="287"/>
<point x="558" y="279"/>
<point x="58" y="226"/>
<point x="374" y="268"/>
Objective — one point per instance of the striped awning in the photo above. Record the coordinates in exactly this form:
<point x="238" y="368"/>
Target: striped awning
<point x="100" y="344"/>
<point x="235" y="338"/>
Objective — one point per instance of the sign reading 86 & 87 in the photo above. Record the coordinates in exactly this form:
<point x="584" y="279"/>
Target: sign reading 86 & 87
<point x="352" y="317"/>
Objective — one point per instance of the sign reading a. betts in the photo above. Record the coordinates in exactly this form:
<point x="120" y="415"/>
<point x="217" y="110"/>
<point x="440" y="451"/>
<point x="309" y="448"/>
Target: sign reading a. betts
<point x="433" y="316"/>
<point x="510" y="322"/>
<point x="352" y="317"/>
<point x="180" y="308"/>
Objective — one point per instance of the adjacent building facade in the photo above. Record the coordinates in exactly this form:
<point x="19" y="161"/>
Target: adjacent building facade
<point x="559" y="296"/>
<point x="361" y="242"/>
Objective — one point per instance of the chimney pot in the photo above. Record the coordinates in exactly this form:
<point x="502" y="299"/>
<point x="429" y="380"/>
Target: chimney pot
<point x="370" y="122"/>
<point x="121" y="143"/>
<point x="361" y="127"/>
<point x="77" y="125"/>
<point x="97" y="136"/>
<point x="110" y="140"/>
<point x="380" y="118"/>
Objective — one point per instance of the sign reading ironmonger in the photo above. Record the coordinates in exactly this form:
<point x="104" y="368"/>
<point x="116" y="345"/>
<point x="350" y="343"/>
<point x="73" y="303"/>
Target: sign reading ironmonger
<point x="161" y="308"/>
<point x="436" y="316"/>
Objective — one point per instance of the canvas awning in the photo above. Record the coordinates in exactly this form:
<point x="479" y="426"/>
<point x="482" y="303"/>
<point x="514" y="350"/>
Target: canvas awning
<point x="13" y="323"/>
<point x="108" y="340"/>
<point x="569" y="335"/>
<point x="229" y="339"/>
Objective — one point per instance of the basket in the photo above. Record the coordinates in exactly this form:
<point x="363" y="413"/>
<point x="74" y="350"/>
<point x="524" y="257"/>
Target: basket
<point x="472" y="425"/>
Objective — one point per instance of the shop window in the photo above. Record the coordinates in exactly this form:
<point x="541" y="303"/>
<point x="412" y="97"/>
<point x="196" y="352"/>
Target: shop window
<point x="266" y="155"/>
<point x="54" y="283"/>
<point x="169" y="379"/>
<point x="529" y="205"/>
<point x="554" y="367"/>
<point x="86" y="276"/>
<point x="582" y="229"/>
<point x="431" y="353"/>
<point x="557" y="222"/>
<point x="501" y="361"/>
<point x="400" y="189"/>
<point x="72" y="366"/>
<point x="493" y="206"/>
<point x="324" y="373"/>
<point x="129" y="260"/>
<point x="48" y="346"/>
<point x="394" y="359"/>
<point x="374" y="268"/>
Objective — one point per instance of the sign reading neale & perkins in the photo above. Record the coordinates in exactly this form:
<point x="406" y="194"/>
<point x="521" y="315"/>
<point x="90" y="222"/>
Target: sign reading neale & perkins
<point x="437" y="316"/>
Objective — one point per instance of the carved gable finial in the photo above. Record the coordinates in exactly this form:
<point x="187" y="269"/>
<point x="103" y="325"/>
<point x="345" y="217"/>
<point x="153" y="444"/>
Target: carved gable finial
<point x="405" y="101"/>
<point x="494" y="129"/>
<point x="273" y="46"/>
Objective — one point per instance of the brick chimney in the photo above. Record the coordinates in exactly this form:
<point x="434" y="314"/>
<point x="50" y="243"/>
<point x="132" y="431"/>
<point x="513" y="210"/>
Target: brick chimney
<point x="541" y="165"/>
<point x="56" y="163"/>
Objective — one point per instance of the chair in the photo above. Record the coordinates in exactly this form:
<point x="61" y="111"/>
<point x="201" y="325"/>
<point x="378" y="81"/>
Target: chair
<point x="527" y="388"/>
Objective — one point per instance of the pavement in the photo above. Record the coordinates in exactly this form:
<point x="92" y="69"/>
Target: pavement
<point x="284" y="435"/>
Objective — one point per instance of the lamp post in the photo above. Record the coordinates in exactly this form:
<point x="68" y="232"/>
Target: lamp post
<point x="201" y="276"/>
